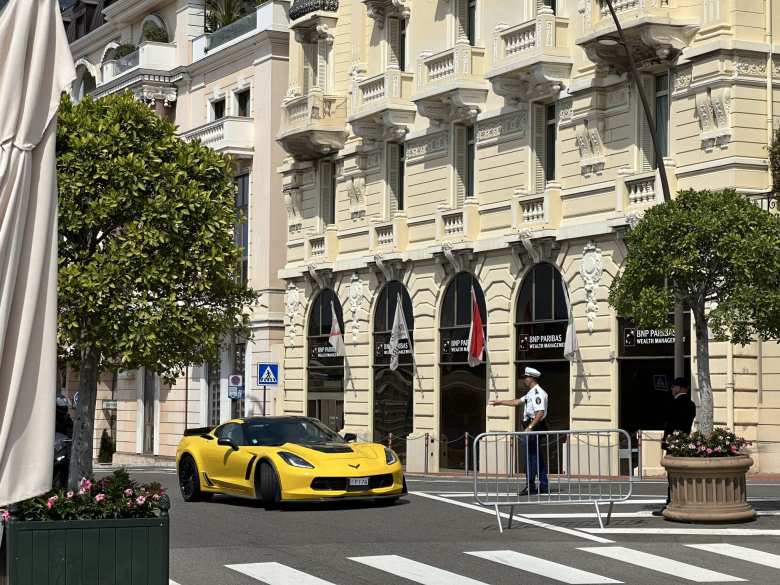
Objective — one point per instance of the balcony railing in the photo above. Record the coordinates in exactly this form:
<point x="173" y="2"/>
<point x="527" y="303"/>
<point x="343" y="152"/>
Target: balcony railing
<point x="622" y="6"/>
<point x="315" y="108"/>
<point x="149" y="55"/>
<point x="461" y="62"/>
<point x="533" y="210"/>
<point x="317" y="247"/>
<point x="385" y="235"/>
<point x="233" y="134"/>
<point x="452" y="223"/>
<point x="641" y="190"/>
<point x="233" y="30"/>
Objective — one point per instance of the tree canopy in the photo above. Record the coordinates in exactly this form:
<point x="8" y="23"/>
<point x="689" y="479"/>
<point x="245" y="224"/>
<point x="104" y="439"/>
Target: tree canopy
<point x="148" y="266"/>
<point x="718" y="254"/>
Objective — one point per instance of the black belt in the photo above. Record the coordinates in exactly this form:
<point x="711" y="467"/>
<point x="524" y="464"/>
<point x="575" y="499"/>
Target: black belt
<point x="542" y="426"/>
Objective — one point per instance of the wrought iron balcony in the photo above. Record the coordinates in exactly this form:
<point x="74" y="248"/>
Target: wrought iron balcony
<point x="313" y="124"/>
<point x="531" y="60"/>
<point x="230" y="135"/>
<point x="451" y="84"/>
<point x="655" y="33"/>
<point x="301" y="8"/>
<point x="382" y="107"/>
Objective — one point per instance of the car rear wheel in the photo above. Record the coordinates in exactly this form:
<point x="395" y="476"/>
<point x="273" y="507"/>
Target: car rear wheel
<point x="269" y="486"/>
<point x="189" y="480"/>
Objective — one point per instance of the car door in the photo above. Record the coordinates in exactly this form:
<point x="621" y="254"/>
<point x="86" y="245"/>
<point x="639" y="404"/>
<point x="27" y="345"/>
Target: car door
<point x="230" y="466"/>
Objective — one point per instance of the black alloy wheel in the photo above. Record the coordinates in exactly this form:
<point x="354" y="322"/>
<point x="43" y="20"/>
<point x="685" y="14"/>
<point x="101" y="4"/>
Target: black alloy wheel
<point x="269" y="486"/>
<point x="189" y="480"/>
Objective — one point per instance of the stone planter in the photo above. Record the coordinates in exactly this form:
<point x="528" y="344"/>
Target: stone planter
<point x="708" y="489"/>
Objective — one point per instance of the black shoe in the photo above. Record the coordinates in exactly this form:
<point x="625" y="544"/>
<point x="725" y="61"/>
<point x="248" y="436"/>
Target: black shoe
<point x="544" y="490"/>
<point x="659" y="512"/>
<point x="527" y="492"/>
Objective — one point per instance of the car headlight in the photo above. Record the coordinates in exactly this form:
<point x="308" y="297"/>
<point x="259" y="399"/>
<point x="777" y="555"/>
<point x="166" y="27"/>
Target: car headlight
<point x="294" y="460"/>
<point x="390" y="456"/>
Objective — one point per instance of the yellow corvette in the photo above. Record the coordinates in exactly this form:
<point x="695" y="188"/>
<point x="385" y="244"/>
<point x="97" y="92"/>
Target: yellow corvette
<point x="284" y="459"/>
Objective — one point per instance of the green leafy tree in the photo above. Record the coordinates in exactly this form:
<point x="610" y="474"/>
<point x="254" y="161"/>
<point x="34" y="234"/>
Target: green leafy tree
<point x="720" y="255"/>
<point x="148" y="267"/>
<point x="220" y="13"/>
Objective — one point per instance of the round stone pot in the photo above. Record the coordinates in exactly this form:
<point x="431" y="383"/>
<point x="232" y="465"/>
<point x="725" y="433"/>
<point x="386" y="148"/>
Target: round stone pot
<point x="708" y="489"/>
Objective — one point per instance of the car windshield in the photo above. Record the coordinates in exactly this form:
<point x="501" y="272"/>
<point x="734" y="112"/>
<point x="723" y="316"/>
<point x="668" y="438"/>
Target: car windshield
<point x="278" y="432"/>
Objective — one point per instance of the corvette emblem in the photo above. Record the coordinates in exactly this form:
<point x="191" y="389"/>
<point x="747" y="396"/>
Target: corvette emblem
<point x="354" y="466"/>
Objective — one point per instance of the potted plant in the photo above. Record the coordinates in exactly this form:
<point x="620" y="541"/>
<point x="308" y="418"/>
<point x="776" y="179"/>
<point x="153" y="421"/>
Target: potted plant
<point x="707" y="477"/>
<point x="112" y="527"/>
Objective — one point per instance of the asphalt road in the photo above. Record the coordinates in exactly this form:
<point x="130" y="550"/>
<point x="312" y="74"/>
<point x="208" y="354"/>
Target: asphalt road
<point x="437" y="536"/>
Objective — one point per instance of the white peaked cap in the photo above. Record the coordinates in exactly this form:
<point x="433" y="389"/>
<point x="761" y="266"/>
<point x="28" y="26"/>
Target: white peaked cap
<point x="533" y="372"/>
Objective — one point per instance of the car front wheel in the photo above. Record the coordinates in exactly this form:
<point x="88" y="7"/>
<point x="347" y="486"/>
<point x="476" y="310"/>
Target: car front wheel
<point x="269" y="486"/>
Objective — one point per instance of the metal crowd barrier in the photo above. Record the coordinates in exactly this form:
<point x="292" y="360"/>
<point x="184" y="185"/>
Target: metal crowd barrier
<point x="592" y="466"/>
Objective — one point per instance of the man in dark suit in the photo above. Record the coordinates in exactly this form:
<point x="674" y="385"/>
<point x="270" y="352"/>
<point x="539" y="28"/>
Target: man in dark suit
<point x="680" y="417"/>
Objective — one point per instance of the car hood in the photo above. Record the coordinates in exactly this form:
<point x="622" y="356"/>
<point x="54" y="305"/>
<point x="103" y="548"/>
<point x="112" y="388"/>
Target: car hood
<point x="335" y="451"/>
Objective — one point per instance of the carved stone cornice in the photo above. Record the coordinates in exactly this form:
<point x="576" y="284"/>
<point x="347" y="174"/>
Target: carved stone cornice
<point x="653" y="41"/>
<point x="537" y="81"/>
<point x="378" y="10"/>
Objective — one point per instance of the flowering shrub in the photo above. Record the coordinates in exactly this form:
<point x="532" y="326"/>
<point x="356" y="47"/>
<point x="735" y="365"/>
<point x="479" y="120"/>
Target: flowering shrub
<point x="114" y="496"/>
<point x="720" y="443"/>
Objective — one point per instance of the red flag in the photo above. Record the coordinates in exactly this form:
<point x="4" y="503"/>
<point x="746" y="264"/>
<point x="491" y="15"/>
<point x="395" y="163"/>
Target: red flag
<point x="476" y="333"/>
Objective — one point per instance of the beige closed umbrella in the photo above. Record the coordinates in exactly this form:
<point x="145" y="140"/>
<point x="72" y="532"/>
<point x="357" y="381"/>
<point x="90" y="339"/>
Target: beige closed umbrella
<point x="35" y="67"/>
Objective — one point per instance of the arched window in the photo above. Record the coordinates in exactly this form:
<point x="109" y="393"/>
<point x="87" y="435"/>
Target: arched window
<point x="85" y="83"/>
<point x="325" y="369"/>
<point x="393" y="389"/>
<point x="154" y="29"/>
<point x="541" y="318"/>
<point x="463" y="388"/>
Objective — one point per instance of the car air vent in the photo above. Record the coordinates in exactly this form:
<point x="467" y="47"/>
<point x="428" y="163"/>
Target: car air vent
<point x="331" y="448"/>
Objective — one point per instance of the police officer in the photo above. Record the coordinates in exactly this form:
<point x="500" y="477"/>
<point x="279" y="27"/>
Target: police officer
<point x="534" y="414"/>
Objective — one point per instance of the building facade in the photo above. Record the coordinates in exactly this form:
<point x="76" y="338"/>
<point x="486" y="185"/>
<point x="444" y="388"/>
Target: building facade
<point x="223" y="87"/>
<point x="448" y="146"/>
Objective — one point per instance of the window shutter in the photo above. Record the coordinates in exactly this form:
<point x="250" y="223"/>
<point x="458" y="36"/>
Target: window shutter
<point x="322" y="65"/>
<point x="539" y="150"/>
<point x="393" y="178"/>
<point x="646" y="153"/>
<point x="308" y="70"/>
<point x="327" y="197"/>
<point x="462" y="17"/>
<point x="393" y="42"/>
<point x="461" y="164"/>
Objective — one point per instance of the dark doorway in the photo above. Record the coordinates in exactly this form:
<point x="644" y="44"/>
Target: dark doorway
<point x="393" y="389"/>
<point x="325" y="369"/>
<point x="463" y="388"/>
<point x="150" y="387"/>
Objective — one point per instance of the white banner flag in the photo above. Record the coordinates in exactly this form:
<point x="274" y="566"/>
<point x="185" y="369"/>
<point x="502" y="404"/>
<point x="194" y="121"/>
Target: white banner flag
<point x="336" y="339"/>
<point x="400" y="331"/>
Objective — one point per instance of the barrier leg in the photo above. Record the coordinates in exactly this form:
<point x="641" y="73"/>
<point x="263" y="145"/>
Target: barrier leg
<point x="598" y="515"/>
<point x="609" y="513"/>
<point x="498" y="517"/>
<point x="511" y="516"/>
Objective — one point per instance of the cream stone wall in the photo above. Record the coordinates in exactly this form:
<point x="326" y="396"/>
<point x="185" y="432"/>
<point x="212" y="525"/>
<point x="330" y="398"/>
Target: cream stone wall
<point x="721" y="116"/>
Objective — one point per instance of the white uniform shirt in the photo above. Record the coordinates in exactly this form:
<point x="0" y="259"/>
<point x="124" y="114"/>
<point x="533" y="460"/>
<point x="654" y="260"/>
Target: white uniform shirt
<point x="535" y="401"/>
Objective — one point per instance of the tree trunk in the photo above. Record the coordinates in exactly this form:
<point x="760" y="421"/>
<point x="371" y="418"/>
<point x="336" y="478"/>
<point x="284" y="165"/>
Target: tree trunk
<point x="84" y="425"/>
<point x="705" y="412"/>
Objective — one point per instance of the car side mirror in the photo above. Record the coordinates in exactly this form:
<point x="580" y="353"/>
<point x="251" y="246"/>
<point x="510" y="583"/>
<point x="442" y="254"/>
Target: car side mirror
<point x="350" y="437"/>
<point x="228" y="443"/>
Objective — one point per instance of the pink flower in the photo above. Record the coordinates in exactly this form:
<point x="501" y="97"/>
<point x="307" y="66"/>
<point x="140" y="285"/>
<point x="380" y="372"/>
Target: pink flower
<point x="140" y="500"/>
<point x="82" y="491"/>
<point x="130" y="503"/>
<point x="69" y="495"/>
<point x="734" y="449"/>
<point x="51" y="501"/>
<point x="100" y="497"/>
<point x="128" y="492"/>
<point x="6" y="516"/>
<point x="85" y="484"/>
<point x="709" y="451"/>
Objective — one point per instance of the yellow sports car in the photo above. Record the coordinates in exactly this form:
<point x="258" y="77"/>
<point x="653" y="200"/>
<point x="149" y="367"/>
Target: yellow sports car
<point x="284" y="459"/>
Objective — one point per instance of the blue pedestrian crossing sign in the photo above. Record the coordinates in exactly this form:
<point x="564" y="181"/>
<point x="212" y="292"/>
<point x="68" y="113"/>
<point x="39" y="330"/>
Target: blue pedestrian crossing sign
<point x="267" y="374"/>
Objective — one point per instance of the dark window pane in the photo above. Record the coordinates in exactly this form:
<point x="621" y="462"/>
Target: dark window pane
<point x="242" y="100"/>
<point x="219" y="109"/>
<point x="470" y="164"/>
<point x="402" y="45"/>
<point x="471" y="25"/>
<point x="662" y="123"/>
<point x="462" y="411"/>
<point x="560" y="299"/>
<point x="401" y="174"/>
<point x="543" y="302"/>
<point x="463" y="299"/>
<point x="381" y="320"/>
<point x="549" y="146"/>
<point x="393" y="407"/>
<point x="524" y="301"/>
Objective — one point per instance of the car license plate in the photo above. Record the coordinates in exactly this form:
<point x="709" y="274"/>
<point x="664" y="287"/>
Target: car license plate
<point x="358" y="482"/>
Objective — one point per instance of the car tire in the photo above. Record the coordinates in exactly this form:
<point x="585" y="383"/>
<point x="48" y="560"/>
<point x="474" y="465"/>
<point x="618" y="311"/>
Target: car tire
<point x="269" y="486"/>
<point x="189" y="480"/>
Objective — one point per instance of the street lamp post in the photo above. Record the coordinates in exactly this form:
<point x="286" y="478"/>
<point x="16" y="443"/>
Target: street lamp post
<point x="679" y="320"/>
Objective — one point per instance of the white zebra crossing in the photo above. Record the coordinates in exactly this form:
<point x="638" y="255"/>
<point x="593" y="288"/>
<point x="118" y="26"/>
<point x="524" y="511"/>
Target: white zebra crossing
<point x="274" y="573"/>
<point x="661" y="564"/>
<point x="414" y="571"/>
<point x="543" y="567"/>
<point x="743" y="553"/>
<point x="277" y="574"/>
